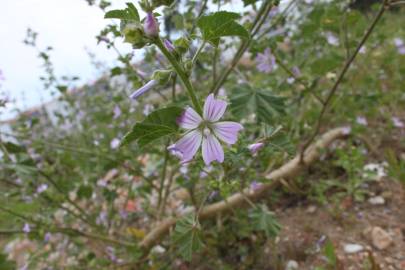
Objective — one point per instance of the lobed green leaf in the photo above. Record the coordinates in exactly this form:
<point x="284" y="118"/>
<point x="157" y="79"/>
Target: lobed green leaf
<point x="156" y="125"/>
<point x="221" y="24"/>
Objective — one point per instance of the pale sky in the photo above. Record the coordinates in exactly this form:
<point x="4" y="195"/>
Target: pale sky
<point x="69" y="26"/>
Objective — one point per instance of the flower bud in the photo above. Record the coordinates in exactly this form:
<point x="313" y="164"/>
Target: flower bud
<point x="188" y="65"/>
<point x="148" y="86"/>
<point x="151" y="26"/>
<point x="134" y="36"/>
<point x="162" y="76"/>
<point x="182" y="45"/>
<point x="169" y="46"/>
<point x="255" y="147"/>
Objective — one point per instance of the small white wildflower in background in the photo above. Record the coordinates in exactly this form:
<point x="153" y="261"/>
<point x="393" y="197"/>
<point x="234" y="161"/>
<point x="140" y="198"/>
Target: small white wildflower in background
<point x="290" y="80"/>
<point x="332" y="39"/>
<point x="255" y="186"/>
<point x="361" y="120"/>
<point x="47" y="237"/>
<point x="184" y="169"/>
<point x="399" y="43"/>
<point x="41" y="188"/>
<point x="375" y="171"/>
<point x="158" y="249"/>
<point x="114" y="143"/>
<point x="147" y="109"/>
<point x="222" y="92"/>
<point x="116" y="111"/>
<point x="397" y="122"/>
<point x="347" y="130"/>
<point x="26" y="228"/>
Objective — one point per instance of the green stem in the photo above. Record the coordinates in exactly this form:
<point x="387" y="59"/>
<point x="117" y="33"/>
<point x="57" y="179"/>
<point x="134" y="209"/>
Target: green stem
<point x="198" y="52"/>
<point x="174" y="87"/>
<point x="163" y="178"/>
<point x="254" y="29"/>
<point x="181" y="73"/>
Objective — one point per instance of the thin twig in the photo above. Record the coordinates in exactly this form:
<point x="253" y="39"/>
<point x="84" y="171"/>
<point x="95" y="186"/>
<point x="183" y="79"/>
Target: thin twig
<point x="297" y="78"/>
<point x="348" y="63"/>
<point x="203" y="7"/>
<point x="255" y="28"/>
<point x="163" y="176"/>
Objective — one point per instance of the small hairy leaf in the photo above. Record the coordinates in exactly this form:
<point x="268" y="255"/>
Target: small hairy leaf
<point x="246" y="100"/>
<point x="329" y="251"/>
<point x="156" y="125"/>
<point x="264" y="220"/>
<point x="13" y="148"/>
<point x="187" y="236"/>
<point x="221" y="24"/>
<point x="129" y="14"/>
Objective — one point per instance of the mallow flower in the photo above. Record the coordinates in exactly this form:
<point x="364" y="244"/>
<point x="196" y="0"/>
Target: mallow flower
<point x="266" y="62"/>
<point x="205" y="131"/>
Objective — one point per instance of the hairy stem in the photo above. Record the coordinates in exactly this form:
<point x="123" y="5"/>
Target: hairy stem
<point x="181" y="73"/>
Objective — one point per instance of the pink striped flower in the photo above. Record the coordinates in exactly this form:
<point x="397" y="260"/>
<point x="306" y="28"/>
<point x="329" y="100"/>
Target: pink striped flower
<point x="205" y="132"/>
<point x="266" y="62"/>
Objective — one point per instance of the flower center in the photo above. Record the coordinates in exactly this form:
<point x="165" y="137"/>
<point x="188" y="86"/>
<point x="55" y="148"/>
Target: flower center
<point x="206" y="131"/>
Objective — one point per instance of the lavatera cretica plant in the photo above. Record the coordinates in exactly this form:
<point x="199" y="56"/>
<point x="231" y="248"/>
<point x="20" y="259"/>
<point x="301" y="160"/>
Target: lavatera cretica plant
<point x="205" y="131"/>
<point x="203" y="126"/>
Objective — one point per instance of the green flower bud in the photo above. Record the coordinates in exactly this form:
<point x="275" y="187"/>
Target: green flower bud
<point x="182" y="44"/>
<point x="135" y="36"/>
<point x="162" y="76"/>
<point x="188" y="66"/>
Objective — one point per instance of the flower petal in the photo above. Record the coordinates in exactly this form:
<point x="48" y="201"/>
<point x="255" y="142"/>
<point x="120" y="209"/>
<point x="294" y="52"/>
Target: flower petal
<point x="214" y="109"/>
<point x="227" y="131"/>
<point x="212" y="150"/>
<point x="148" y="86"/>
<point x="188" y="145"/>
<point x="255" y="147"/>
<point x="189" y="119"/>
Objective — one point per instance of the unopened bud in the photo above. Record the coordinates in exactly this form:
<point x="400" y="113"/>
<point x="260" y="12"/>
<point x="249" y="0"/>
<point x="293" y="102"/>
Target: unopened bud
<point x="188" y="65"/>
<point x="182" y="45"/>
<point x="162" y="76"/>
<point x="151" y="26"/>
<point x="169" y="46"/>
